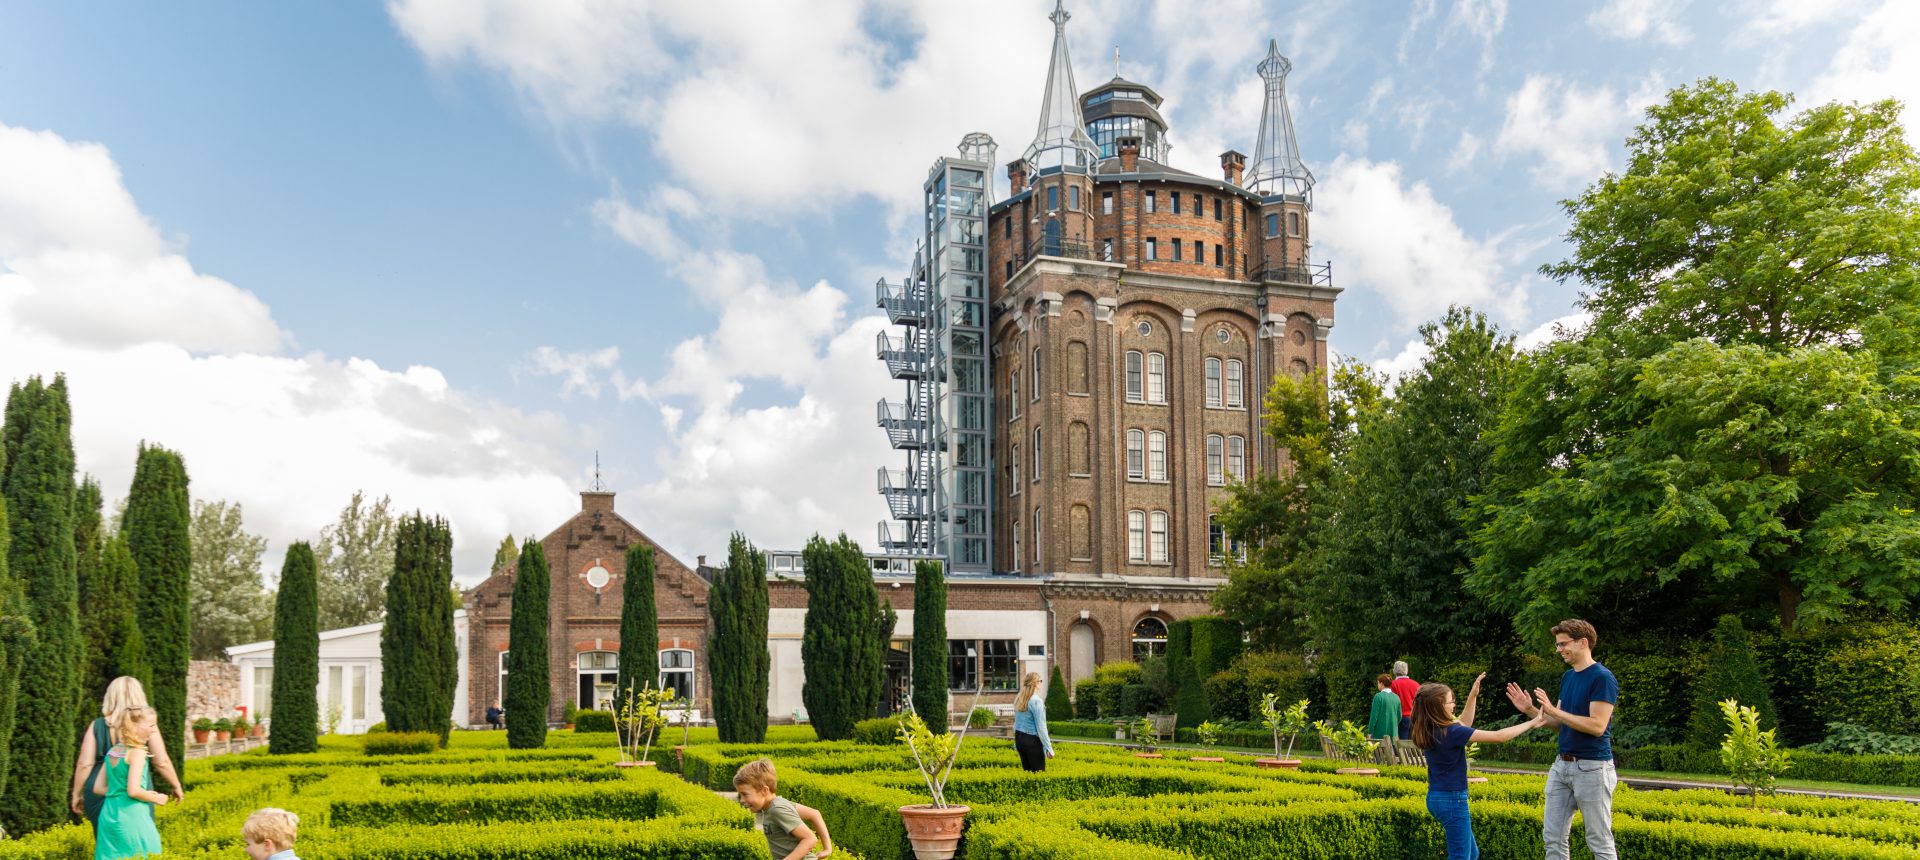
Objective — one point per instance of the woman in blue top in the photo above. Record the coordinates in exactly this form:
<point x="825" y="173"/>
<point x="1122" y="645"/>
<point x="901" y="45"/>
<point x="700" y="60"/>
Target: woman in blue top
<point x="1030" y="726"/>
<point x="1445" y="738"/>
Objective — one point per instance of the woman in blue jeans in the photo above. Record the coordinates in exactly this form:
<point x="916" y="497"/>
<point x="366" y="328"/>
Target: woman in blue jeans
<point x="1444" y="737"/>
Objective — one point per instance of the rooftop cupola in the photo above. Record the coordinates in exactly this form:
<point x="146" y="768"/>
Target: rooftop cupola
<point x="1062" y="140"/>
<point x="1121" y="108"/>
<point x="1277" y="169"/>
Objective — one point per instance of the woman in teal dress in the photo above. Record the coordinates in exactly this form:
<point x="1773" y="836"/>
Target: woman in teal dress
<point x="126" y="827"/>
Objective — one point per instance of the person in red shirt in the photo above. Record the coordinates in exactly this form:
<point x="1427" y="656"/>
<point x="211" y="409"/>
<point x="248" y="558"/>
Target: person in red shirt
<point x="1405" y="688"/>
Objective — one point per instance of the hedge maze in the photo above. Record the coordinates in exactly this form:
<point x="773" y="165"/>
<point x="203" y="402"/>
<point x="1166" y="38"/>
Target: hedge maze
<point x="478" y="800"/>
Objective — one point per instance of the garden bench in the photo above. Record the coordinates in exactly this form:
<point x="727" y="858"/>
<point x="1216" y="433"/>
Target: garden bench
<point x="1163" y="725"/>
<point x="1405" y="752"/>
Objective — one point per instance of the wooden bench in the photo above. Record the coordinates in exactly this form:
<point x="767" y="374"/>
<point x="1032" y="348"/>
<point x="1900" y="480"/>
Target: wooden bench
<point x="1163" y="725"/>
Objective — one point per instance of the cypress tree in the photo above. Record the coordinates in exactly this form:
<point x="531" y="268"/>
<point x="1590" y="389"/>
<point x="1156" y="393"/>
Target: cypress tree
<point x="296" y="655"/>
<point x="1189" y="695"/>
<point x="39" y="490"/>
<point x="737" y="658"/>
<point x="16" y="629"/>
<point x="1057" y="701"/>
<point x="156" y="528"/>
<point x="529" y="678"/>
<point x="125" y="651"/>
<point x="1731" y="673"/>
<point x="416" y="642"/>
<point x="639" y="626"/>
<point x="930" y="698"/>
<point x="89" y="553"/>
<point x="840" y="646"/>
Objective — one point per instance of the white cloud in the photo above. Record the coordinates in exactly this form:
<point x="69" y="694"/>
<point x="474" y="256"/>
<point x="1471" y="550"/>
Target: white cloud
<point x="1571" y="130"/>
<point x="1409" y="359"/>
<point x="1878" y="60"/>
<point x="1553" y="329"/>
<point x="1464" y="153"/>
<point x="1395" y="240"/>
<point x="159" y="353"/>
<point x="1484" y="19"/>
<point x="1657" y="20"/>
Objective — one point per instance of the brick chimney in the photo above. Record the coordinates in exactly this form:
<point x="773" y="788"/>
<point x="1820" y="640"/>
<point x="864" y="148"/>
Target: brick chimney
<point x="592" y="502"/>
<point x="700" y="561"/>
<point x="1232" y="165"/>
<point x="1129" y="148"/>
<point x="1016" y="176"/>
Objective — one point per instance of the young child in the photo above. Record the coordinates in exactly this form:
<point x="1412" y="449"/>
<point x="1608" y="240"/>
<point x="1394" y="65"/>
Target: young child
<point x="126" y="826"/>
<point x="789" y="826"/>
<point x="270" y="833"/>
<point x="1445" y="739"/>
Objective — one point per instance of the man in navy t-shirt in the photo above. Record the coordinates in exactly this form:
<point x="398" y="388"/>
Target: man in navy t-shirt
<point x="1584" y="776"/>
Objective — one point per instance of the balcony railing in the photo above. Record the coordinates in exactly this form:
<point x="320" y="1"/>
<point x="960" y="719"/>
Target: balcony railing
<point x="911" y="538"/>
<point x="906" y="428"/>
<point x="906" y="356"/>
<point x="906" y="494"/>
<point x="1308" y="275"/>
<point x="1055" y="248"/>
<point x="905" y="304"/>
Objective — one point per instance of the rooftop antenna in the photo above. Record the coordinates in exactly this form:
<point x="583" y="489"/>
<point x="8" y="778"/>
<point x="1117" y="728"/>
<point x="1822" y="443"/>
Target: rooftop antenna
<point x="598" y="486"/>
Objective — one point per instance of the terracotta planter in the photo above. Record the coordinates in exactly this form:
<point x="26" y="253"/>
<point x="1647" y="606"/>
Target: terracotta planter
<point x="200" y="735"/>
<point x="259" y="731"/>
<point x="567" y="726"/>
<point x="1148" y="755"/>
<point x="634" y="764"/>
<point x="1277" y="763"/>
<point x="1213" y="758"/>
<point x="935" y="833"/>
<point x="219" y="737"/>
<point x="1359" y="771"/>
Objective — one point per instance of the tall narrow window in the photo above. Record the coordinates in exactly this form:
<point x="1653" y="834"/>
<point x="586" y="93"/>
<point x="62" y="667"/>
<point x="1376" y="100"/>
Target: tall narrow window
<point x="1236" y="457"/>
<point x="1199" y="251"/>
<point x="1080" y="532"/>
<point x="1156" y="378"/>
<point x="1036" y="453"/>
<point x="1036" y="373"/>
<point x="1006" y="228"/>
<point x="1135" y="390"/>
<point x="1079" y="458"/>
<point x="1053" y="197"/>
<point x="1234" y="374"/>
<point x="1036" y="539"/>
<point x="1157" y="538"/>
<point x="1176" y="242"/>
<point x="1077" y="366"/>
<point x="1106" y="250"/>
<point x="1216" y="541"/>
<point x="1153" y="248"/>
<point x="1219" y="209"/>
<point x="1016" y="546"/>
<point x="1106" y="203"/>
<point x="1157" y="456"/>
<point x="1213" y="383"/>
<point x="1013" y="462"/>
<point x="1199" y="207"/>
<point x="1151" y="200"/>
<point x="1013" y="394"/>
<point x="1293" y="223"/>
<point x="1214" y="465"/>
<point x="1073" y="202"/>
<point x="1175" y="199"/>
<point x="1220" y="256"/>
<point x="1137" y="535"/>
<point x="676" y="673"/>
<point x="1136" y="454"/>
<point x="1273" y="224"/>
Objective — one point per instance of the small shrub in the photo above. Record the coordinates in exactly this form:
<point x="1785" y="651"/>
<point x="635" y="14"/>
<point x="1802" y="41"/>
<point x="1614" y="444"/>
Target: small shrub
<point x="1086" y="698"/>
<point x="980" y="718"/>
<point x="1731" y="672"/>
<point x="880" y="731"/>
<point x="1632" y="738"/>
<point x="400" y="743"/>
<point x="1850" y="739"/>
<point x="1752" y="757"/>
<point x="223" y="725"/>
<point x="1208" y="733"/>
<point x="203" y="725"/>
<point x="593" y="722"/>
<point x="376" y="728"/>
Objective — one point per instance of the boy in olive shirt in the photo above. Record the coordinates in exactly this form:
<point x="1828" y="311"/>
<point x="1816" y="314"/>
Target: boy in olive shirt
<point x="783" y="821"/>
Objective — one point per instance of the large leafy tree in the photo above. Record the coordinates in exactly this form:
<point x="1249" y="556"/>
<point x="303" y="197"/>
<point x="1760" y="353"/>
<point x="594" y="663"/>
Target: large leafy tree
<point x="841" y="645"/>
<point x="529" y="691"/>
<point x="930" y="696"/>
<point x="356" y="559"/>
<point x="229" y="601"/>
<point x="737" y="658"/>
<point x="1390" y="580"/>
<point x="418" y="665"/>
<point x="157" y="530"/>
<point x="1735" y="429"/>
<point x="296" y="654"/>
<point x="38" y="484"/>
<point x="639" y="626"/>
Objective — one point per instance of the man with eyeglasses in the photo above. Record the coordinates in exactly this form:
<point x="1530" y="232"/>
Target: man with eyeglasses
<point x="1583" y="777"/>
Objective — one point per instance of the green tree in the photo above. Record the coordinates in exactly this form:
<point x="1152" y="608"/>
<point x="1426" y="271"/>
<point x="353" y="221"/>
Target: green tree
<point x="930" y="696"/>
<point x="529" y="684"/>
<point x="356" y="560"/>
<point x="296" y="655"/>
<point x="1731" y="672"/>
<point x="505" y="554"/>
<point x="229" y="601"/>
<point x="89" y="553"/>
<point x="110" y="638"/>
<point x="1391" y="578"/>
<point x="16" y="630"/>
<point x="1059" y="707"/>
<point x="737" y="658"/>
<point x="418" y="666"/>
<point x="157" y="530"/>
<point x="39" y="488"/>
<point x="841" y="650"/>
<point x="1189" y="697"/>
<point x="639" y="627"/>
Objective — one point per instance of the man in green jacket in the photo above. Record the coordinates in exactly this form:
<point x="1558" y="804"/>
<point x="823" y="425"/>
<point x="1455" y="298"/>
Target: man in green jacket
<point x="1383" y="720"/>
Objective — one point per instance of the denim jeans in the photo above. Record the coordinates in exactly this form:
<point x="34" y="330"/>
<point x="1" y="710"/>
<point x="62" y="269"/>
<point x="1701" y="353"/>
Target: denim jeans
<point x="1450" y="809"/>
<point x="1588" y="786"/>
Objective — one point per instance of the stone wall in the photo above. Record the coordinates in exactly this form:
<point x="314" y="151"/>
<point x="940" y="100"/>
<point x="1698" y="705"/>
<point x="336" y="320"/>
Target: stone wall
<point x="213" y="689"/>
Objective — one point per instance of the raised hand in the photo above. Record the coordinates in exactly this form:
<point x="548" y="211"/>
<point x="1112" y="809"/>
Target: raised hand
<point x="1540" y="698"/>
<point x="1518" y="697"/>
<point x="1476" y="684"/>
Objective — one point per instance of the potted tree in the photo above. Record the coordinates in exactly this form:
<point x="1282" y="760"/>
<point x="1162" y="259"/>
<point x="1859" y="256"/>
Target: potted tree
<point x="1290" y="722"/>
<point x="202" y="728"/>
<point x="635" y="721"/>
<point x="1145" y="738"/>
<point x="241" y="728"/>
<point x="222" y="728"/>
<point x="568" y="714"/>
<point x="260" y="728"/>
<point x="686" y="729"/>
<point x="1353" y="743"/>
<point x="933" y="828"/>
<point x="1209" y="735"/>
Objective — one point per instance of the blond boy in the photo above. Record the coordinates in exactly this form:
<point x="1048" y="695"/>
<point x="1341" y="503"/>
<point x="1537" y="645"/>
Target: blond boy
<point x="270" y="833"/>
<point x="785" y="823"/>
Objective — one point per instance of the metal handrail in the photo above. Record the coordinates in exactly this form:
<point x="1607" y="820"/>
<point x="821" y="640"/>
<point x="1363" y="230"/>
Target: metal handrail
<point x="1309" y="274"/>
<point x="1067" y="248"/>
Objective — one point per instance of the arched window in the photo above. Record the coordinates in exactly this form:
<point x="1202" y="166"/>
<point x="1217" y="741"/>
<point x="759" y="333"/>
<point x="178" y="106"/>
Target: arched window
<point x="1013" y="394"/>
<point x="1137" y="535"/>
<point x="1136" y="390"/>
<point x="1036" y="539"/>
<point x="1036" y="374"/>
<point x="1213" y="383"/>
<point x="1077" y="367"/>
<point x="1080" y="533"/>
<point x="1149" y="638"/>
<point x="1234" y="375"/>
<point x="1157" y="538"/>
<point x="1016" y="546"/>
<point x="1156" y="456"/>
<point x="1237" y="458"/>
<point x="1215" y="468"/>
<point x="1136" y="455"/>
<point x="1079" y="457"/>
<point x="1156" y="378"/>
<point x="676" y="672"/>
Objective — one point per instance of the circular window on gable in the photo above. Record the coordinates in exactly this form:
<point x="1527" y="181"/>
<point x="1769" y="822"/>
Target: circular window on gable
<point x="1146" y="328"/>
<point x="1225" y="335"/>
<point x="597" y="575"/>
<point x="1299" y="337"/>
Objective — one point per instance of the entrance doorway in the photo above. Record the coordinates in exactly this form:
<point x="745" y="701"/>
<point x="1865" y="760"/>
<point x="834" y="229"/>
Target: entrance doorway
<point x="599" y="674"/>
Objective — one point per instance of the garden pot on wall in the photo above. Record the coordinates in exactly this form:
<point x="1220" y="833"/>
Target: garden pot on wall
<point x="259" y="731"/>
<point x="935" y="833"/>
<point x="1278" y="763"/>
<point x="219" y="737"/>
<point x="200" y="735"/>
<point x="1359" y="771"/>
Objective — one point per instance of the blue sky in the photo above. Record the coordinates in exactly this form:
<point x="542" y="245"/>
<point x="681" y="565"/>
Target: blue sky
<point x="448" y="250"/>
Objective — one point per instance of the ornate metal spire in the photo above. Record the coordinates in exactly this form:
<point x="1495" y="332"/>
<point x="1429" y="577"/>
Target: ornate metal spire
<point x="1277" y="168"/>
<point x="1062" y="139"/>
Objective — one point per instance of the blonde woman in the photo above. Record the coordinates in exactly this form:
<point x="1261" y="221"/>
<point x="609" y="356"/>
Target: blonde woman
<point x="1030" y="726"/>
<point x="126" y="828"/>
<point x="123" y="694"/>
